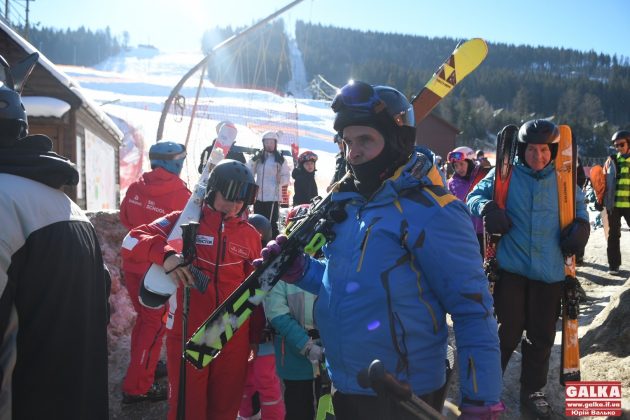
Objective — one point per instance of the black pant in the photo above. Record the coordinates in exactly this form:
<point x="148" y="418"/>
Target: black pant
<point x="367" y="407"/>
<point x="614" y="235"/>
<point x="269" y="209"/>
<point x="522" y="304"/>
<point x="300" y="398"/>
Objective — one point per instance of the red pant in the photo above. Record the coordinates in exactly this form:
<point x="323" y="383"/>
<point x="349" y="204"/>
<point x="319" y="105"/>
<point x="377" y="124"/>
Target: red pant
<point x="261" y="377"/>
<point x="215" y="391"/>
<point x="146" y="340"/>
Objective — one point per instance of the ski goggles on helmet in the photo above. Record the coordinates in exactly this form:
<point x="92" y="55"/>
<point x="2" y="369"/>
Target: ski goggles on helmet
<point x="233" y="190"/>
<point x="306" y="156"/>
<point x="453" y="157"/>
<point x="361" y="99"/>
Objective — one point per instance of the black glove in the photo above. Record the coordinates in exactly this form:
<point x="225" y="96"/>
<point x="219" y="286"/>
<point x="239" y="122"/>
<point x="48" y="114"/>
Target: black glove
<point x="574" y="237"/>
<point x="495" y="220"/>
<point x="599" y="207"/>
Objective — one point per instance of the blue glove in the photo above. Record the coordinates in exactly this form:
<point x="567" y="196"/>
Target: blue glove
<point x="495" y="220"/>
<point x="483" y="412"/>
<point x="574" y="237"/>
<point x="295" y="272"/>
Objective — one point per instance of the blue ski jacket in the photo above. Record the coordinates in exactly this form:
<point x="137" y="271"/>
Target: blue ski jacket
<point x="400" y="261"/>
<point x="532" y="246"/>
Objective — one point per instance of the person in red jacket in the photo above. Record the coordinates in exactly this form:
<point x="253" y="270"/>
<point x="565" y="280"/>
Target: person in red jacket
<point x="226" y="245"/>
<point x="155" y="194"/>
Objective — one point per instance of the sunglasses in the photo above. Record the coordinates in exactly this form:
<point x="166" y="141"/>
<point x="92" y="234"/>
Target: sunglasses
<point x="620" y="145"/>
<point x="360" y="97"/>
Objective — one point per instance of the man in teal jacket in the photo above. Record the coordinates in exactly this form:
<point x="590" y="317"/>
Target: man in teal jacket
<point x="405" y="255"/>
<point x="530" y="255"/>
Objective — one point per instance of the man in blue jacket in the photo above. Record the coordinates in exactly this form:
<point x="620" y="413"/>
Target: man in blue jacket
<point x="530" y="256"/>
<point x="405" y="255"/>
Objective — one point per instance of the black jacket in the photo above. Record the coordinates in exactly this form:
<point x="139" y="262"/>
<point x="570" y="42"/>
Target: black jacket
<point x="53" y="290"/>
<point x="305" y="186"/>
<point x="206" y="153"/>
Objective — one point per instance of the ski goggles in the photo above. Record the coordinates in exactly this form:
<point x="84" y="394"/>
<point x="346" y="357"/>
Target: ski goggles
<point x="236" y="190"/>
<point x="453" y="157"/>
<point x="306" y="156"/>
<point x="361" y="99"/>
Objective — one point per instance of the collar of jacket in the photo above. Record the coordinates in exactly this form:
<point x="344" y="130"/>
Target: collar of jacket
<point x="419" y="171"/>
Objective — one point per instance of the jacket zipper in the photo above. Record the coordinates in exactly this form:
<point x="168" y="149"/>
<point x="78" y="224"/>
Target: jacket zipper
<point x="472" y="373"/>
<point x="218" y="262"/>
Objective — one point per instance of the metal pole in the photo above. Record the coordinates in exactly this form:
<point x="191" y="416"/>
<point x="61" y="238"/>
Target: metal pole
<point x="203" y="62"/>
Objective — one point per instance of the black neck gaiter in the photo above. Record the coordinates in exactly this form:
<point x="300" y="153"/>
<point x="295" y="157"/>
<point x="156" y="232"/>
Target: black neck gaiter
<point x="369" y="176"/>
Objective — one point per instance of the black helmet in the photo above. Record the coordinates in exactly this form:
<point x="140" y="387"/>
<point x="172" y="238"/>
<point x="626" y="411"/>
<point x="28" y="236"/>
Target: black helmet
<point x="235" y="182"/>
<point x="620" y="135"/>
<point x="13" y="121"/>
<point x="262" y="225"/>
<point x="538" y="132"/>
<point x="380" y="107"/>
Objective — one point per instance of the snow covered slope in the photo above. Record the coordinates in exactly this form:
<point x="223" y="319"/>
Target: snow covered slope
<point x="133" y="86"/>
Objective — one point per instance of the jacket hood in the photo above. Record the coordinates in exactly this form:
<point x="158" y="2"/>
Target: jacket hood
<point x="32" y="157"/>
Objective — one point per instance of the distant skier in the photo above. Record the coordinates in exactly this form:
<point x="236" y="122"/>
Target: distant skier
<point x="305" y="186"/>
<point x="232" y="154"/>
<point x="156" y="194"/>
<point x="482" y="159"/>
<point x="271" y="172"/>
<point x="616" y="196"/>
<point x="226" y="246"/>
<point x="530" y="256"/>
<point x="466" y="174"/>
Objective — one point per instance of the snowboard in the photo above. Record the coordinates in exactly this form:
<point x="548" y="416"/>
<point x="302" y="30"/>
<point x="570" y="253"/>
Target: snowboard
<point x="465" y="58"/>
<point x="157" y="287"/>
<point x="566" y="164"/>
<point x="506" y="151"/>
<point x="312" y="232"/>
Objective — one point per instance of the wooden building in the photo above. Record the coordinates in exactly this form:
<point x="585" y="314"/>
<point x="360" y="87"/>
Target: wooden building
<point x="437" y="134"/>
<point x="80" y="130"/>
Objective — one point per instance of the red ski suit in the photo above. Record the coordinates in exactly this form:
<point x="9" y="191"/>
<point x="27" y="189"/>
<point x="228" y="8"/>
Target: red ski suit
<point x="225" y="251"/>
<point x="154" y="195"/>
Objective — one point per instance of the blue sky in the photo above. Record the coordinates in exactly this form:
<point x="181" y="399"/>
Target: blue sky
<point x="175" y="25"/>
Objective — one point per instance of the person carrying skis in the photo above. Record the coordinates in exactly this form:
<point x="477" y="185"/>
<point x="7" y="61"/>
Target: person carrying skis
<point x="530" y="256"/>
<point x="616" y="196"/>
<point x="466" y="174"/>
<point x="340" y="164"/>
<point x="403" y="256"/>
<point x="305" y="186"/>
<point x="271" y="172"/>
<point x="54" y="286"/>
<point x="156" y="194"/>
<point x="225" y="248"/>
<point x="290" y="311"/>
<point x="232" y="154"/>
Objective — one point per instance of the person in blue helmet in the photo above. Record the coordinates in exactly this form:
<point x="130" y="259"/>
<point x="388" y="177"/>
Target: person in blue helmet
<point x="403" y="257"/>
<point x="155" y="194"/>
<point x="530" y="256"/>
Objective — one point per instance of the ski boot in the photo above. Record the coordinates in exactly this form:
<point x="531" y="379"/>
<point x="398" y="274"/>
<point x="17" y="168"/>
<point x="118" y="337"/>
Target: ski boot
<point x="534" y="405"/>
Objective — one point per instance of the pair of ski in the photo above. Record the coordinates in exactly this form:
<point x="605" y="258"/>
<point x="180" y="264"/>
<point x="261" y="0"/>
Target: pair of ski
<point x="566" y="165"/>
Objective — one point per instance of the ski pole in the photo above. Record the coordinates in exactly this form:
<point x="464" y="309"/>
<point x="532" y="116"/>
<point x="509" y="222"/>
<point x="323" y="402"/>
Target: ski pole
<point x="189" y="234"/>
<point x="386" y="385"/>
